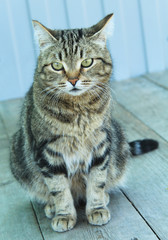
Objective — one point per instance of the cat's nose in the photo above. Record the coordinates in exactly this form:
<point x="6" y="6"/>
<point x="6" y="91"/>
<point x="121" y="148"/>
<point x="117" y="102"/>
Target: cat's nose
<point x="73" y="81"/>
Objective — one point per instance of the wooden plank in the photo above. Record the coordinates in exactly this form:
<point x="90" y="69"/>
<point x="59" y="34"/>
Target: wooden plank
<point x="17" y="219"/>
<point x="160" y="78"/>
<point x="10" y="112"/>
<point x="125" y="224"/>
<point x="2" y="129"/>
<point x="147" y="185"/>
<point x="4" y="141"/>
<point x="145" y="100"/>
<point x="5" y="173"/>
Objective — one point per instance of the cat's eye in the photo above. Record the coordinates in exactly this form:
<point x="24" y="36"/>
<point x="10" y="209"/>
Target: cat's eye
<point x="87" y="62"/>
<point x="57" y="66"/>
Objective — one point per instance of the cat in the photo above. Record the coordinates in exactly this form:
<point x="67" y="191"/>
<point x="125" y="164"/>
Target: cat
<point x="69" y="147"/>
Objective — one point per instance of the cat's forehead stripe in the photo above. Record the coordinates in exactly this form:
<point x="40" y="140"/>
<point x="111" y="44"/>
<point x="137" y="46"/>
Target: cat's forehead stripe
<point x="76" y="49"/>
<point x="70" y="43"/>
<point x="75" y="34"/>
<point x="60" y="56"/>
<point x="81" y="53"/>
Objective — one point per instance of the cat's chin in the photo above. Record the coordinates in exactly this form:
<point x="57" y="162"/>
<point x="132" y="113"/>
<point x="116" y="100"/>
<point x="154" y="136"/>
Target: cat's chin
<point x="76" y="92"/>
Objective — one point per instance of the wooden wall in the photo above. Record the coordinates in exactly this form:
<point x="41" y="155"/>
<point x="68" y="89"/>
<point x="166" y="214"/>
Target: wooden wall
<point x="139" y="43"/>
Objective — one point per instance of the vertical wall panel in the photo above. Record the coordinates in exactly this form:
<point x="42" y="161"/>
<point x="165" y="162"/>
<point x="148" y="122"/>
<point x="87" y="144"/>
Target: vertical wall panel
<point x="38" y="11"/>
<point x="82" y="13"/>
<point x="133" y="32"/>
<point x="127" y="43"/>
<point x="20" y="61"/>
<point x="57" y="13"/>
<point x="7" y="58"/>
<point x="93" y="11"/>
<point x="153" y="34"/>
<point x="51" y="13"/>
<point x="163" y="8"/>
<point x="22" y="40"/>
<point x="75" y="13"/>
<point x="118" y="43"/>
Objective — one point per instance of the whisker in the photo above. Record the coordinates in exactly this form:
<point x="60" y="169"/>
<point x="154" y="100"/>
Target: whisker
<point x="47" y="91"/>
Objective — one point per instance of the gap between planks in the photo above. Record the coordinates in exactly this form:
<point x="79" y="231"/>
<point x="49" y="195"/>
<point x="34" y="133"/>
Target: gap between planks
<point x="35" y="215"/>
<point x="139" y="213"/>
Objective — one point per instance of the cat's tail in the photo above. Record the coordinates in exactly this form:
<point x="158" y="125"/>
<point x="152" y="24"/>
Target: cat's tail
<point x="139" y="147"/>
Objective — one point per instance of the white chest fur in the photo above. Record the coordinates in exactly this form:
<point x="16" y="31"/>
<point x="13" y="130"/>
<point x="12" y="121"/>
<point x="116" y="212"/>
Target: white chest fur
<point x="78" y="161"/>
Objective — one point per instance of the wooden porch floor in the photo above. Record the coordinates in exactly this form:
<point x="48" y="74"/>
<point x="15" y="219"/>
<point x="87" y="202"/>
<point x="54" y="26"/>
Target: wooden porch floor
<point x="139" y="211"/>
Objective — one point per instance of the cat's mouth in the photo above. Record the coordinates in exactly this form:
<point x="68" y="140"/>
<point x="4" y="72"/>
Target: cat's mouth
<point x="75" y="90"/>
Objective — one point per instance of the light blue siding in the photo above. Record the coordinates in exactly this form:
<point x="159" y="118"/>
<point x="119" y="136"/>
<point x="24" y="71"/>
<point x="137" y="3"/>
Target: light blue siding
<point x="126" y="44"/>
<point x="16" y="49"/>
<point x="84" y="12"/>
<point x="153" y="31"/>
<point x="51" y="13"/>
<point x="164" y="28"/>
<point x="139" y="43"/>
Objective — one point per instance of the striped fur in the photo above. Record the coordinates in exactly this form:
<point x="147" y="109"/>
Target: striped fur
<point x="68" y="146"/>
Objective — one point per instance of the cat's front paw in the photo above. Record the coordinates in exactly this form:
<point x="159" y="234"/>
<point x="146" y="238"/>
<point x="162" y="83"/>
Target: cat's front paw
<point x="49" y="210"/>
<point x="98" y="216"/>
<point x="63" y="223"/>
<point x="107" y="198"/>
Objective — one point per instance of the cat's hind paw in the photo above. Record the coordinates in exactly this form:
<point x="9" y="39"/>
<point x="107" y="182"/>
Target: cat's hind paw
<point x="99" y="216"/>
<point x="62" y="223"/>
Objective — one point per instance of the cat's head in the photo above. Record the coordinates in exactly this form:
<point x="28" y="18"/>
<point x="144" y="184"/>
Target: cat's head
<point x="74" y="61"/>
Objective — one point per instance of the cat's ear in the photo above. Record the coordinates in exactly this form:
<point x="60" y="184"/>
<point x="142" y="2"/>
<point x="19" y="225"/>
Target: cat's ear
<point x="43" y="35"/>
<point x="102" y="30"/>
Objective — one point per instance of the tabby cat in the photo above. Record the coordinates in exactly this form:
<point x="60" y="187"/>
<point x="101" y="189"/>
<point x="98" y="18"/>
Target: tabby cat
<point x="69" y="147"/>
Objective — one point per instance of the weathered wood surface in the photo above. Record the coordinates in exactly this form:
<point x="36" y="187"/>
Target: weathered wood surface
<point x="10" y="111"/>
<point x="146" y="100"/>
<point x="138" y="212"/>
<point x="160" y="78"/>
<point x="17" y="220"/>
<point x="4" y="141"/>
<point x="125" y="223"/>
<point x="147" y="183"/>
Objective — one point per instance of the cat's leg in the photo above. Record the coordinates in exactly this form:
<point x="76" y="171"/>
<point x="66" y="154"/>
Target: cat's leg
<point x="50" y="208"/>
<point x="97" y="199"/>
<point x="60" y="203"/>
